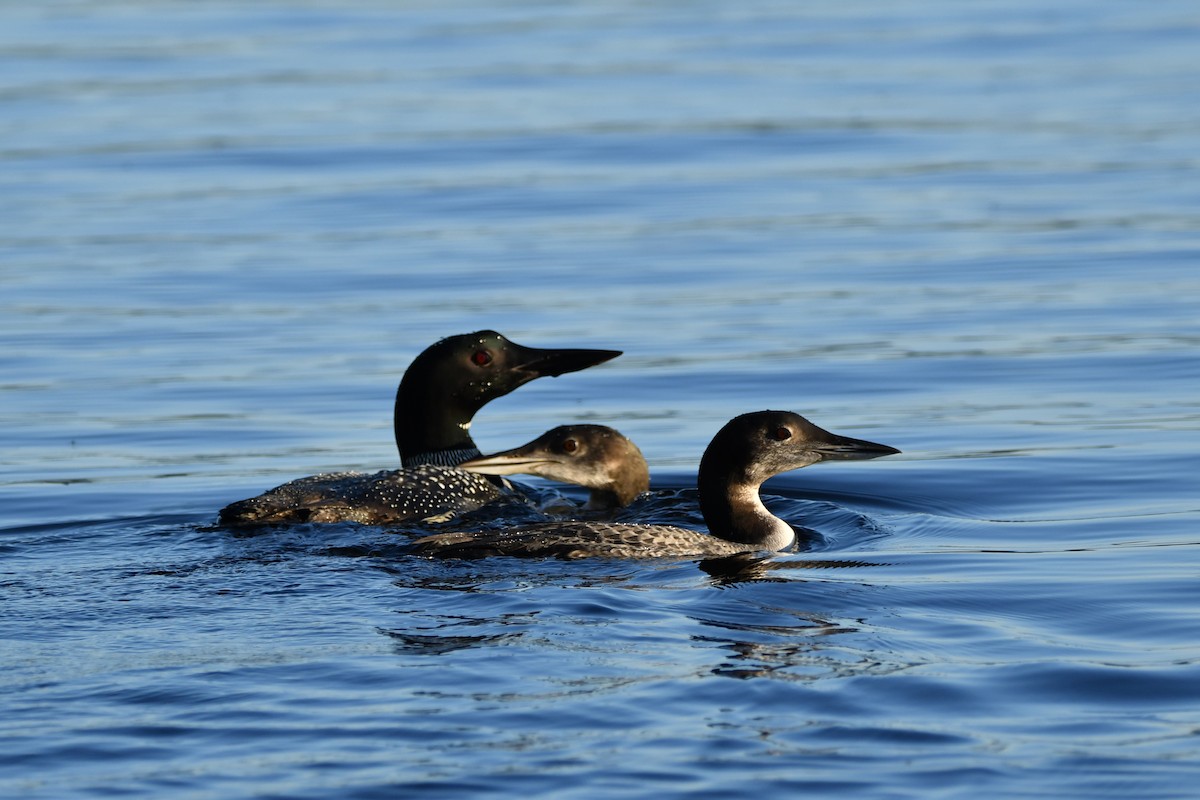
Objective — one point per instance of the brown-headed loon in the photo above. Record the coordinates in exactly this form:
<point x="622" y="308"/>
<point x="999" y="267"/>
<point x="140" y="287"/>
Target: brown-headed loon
<point x="595" y="457"/>
<point x="747" y="451"/>
<point x="437" y="398"/>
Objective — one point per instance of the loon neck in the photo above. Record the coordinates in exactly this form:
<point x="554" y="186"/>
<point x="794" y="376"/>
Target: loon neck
<point x="442" y="458"/>
<point x="604" y="500"/>
<point x="626" y="481"/>
<point x="731" y="505"/>
<point x="431" y="428"/>
<point x="735" y="512"/>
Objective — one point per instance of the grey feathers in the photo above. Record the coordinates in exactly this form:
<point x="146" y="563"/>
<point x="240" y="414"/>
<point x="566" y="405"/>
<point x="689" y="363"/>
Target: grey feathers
<point x="582" y="540"/>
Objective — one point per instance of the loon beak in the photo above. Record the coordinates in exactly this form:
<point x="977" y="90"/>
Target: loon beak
<point x="536" y="362"/>
<point x="832" y="447"/>
<point x="510" y="462"/>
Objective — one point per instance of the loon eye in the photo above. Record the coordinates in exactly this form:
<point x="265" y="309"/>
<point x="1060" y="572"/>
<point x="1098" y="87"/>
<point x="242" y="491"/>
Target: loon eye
<point x="570" y="445"/>
<point x="481" y="358"/>
<point x="781" y="433"/>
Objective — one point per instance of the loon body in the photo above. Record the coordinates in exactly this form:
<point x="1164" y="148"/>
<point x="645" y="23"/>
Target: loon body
<point x="437" y="398"/>
<point x="747" y="451"/>
<point x="426" y="491"/>
<point x="593" y="456"/>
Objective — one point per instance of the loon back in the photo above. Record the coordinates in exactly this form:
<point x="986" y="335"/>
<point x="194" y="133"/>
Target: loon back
<point x="580" y="539"/>
<point x="417" y="493"/>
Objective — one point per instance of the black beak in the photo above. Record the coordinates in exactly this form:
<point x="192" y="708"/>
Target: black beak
<point x="842" y="448"/>
<point x="536" y="362"/>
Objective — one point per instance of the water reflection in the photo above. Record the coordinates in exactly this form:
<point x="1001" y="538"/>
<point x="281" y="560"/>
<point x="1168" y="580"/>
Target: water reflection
<point x="431" y="644"/>
<point x="747" y="567"/>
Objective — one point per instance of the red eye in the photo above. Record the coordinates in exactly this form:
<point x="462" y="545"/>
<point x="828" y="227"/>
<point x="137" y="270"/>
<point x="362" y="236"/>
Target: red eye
<point x="781" y="433"/>
<point x="570" y="445"/>
<point x="481" y="358"/>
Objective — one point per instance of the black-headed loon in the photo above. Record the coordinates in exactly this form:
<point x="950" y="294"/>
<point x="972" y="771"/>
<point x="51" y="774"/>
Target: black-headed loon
<point x="747" y="451"/>
<point x="437" y="398"/>
<point x="593" y="456"/>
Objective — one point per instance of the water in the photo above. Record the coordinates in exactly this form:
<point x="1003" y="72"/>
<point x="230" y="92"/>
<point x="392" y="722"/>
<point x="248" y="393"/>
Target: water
<point x="970" y="232"/>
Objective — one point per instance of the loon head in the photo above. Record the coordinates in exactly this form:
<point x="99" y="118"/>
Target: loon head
<point x="593" y="456"/>
<point x="452" y="379"/>
<point x="762" y="444"/>
<point x="753" y="447"/>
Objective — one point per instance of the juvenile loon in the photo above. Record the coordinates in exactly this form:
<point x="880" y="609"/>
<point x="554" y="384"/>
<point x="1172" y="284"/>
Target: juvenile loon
<point x="746" y="452"/>
<point x="438" y="396"/>
<point x="593" y="456"/>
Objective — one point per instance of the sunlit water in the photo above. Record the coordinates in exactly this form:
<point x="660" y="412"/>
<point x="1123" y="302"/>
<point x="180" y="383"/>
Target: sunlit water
<point x="966" y="230"/>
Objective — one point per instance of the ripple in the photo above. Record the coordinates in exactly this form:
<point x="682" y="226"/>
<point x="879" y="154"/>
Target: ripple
<point x="921" y="222"/>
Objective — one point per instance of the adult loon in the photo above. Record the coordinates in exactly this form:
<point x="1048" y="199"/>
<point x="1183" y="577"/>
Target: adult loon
<point x="593" y="456"/>
<point x="438" y="396"/>
<point x="747" y="451"/>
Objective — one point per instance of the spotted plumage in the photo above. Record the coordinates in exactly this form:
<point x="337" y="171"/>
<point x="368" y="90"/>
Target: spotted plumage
<point x="416" y="493"/>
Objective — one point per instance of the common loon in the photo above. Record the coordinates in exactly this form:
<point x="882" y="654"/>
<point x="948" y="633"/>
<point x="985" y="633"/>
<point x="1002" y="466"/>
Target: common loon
<point x="747" y="451"/>
<point x="438" y="396"/>
<point x="593" y="456"/>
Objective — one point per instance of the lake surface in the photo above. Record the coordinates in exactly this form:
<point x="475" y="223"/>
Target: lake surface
<point x="971" y="232"/>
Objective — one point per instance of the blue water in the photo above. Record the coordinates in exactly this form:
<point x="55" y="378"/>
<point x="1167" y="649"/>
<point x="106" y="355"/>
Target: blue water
<point x="970" y="231"/>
